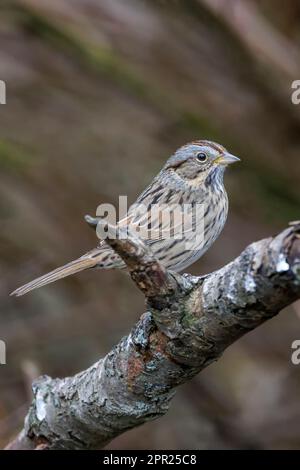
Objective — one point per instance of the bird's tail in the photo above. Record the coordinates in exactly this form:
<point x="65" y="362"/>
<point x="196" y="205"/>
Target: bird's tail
<point x="89" y="260"/>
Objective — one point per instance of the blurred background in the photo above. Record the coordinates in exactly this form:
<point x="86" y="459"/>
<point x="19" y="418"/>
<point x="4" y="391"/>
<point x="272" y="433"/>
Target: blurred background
<point x="99" y="94"/>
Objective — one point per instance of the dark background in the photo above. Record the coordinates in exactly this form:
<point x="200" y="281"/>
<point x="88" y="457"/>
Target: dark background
<point x="99" y="94"/>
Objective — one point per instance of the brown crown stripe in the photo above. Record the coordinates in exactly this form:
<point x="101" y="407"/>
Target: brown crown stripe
<point x="208" y="143"/>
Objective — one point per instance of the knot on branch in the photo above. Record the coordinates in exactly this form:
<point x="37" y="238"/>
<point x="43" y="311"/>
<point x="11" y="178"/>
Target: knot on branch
<point x="157" y="284"/>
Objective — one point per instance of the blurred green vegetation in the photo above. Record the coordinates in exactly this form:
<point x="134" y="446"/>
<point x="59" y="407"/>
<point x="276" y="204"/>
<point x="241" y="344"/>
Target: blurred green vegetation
<point x="14" y="157"/>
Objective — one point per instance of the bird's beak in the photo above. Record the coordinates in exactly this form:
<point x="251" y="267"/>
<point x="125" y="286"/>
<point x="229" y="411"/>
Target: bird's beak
<point x="226" y="159"/>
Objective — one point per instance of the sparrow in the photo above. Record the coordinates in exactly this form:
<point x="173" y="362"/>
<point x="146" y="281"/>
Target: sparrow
<point x="191" y="178"/>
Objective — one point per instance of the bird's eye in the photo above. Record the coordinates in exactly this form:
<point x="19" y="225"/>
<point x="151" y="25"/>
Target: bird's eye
<point x="201" y="157"/>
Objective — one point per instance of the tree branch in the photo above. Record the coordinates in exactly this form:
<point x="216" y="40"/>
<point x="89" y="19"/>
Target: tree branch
<point x="189" y="323"/>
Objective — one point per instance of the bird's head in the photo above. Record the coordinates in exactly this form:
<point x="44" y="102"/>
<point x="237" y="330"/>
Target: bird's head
<point x="200" y="161"/>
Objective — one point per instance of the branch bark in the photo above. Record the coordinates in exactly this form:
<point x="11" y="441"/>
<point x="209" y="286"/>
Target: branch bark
<point x="189" y="322"/>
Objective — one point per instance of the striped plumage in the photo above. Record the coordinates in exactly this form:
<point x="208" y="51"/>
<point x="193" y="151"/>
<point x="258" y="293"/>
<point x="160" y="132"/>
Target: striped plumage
<point x="192" y="176"/>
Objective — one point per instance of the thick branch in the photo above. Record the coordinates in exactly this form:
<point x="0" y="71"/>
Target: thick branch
<point x="189" y="324"/>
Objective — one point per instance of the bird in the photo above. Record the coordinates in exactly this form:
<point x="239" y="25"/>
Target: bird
<point x="191" y="178"/>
